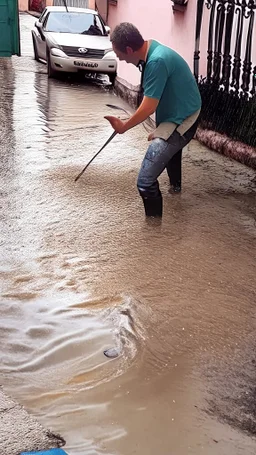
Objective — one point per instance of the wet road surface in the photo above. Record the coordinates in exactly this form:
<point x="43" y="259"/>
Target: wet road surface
<point x="81" y="272"/>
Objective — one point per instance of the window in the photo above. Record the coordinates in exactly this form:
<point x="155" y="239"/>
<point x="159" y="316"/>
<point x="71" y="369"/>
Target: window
<point x="74" y="22"/>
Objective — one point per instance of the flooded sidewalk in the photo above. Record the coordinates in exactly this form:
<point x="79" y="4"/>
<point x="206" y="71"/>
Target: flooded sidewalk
<point x="81" y="272"/>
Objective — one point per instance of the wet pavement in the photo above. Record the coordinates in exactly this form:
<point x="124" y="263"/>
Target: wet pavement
<point x="82" y="272"/>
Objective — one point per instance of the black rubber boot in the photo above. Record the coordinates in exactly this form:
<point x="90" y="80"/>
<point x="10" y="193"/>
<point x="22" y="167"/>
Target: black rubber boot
<point x="176" y="188"/>
<point x="174" y="172"/>
<point x="153" y="206"/>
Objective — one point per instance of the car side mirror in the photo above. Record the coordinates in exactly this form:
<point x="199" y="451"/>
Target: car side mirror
<point x="107" y="28"/>
<point x="39" y="27"/>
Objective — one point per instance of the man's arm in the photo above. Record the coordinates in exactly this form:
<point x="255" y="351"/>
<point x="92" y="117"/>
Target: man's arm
<point x="146" y="108"/>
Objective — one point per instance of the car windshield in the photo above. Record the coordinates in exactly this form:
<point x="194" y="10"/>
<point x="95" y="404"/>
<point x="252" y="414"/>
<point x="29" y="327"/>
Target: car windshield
<point x="74" y="22"/>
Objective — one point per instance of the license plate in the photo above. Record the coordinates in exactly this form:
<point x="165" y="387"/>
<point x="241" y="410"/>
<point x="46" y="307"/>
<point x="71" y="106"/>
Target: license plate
<point x="86" y="64"/>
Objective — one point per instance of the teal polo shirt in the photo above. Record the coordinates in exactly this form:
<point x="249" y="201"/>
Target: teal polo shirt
<point x="168" y="78"/>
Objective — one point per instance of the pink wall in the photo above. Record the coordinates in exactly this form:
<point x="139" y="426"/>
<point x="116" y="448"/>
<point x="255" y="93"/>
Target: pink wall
<point x="91" y="4"/>
<point x="176" y="30"/>
<point x="23" y="5"/>
<point x="102" y="7"/>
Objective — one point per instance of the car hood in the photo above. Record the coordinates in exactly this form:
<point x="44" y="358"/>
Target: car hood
<point x="76" y="40"/>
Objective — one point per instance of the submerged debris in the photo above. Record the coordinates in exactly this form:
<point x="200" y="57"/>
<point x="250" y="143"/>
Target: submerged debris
<point x="112" y="353"/>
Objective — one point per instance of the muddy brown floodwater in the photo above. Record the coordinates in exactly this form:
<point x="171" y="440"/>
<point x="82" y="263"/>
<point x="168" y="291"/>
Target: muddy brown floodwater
<point x="81" y="272"/>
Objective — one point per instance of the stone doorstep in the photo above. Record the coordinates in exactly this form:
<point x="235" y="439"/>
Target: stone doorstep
<point x="46" y="452"/>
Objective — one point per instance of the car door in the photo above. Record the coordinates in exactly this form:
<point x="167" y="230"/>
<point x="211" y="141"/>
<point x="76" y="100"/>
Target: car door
<point x="41" y="41"/>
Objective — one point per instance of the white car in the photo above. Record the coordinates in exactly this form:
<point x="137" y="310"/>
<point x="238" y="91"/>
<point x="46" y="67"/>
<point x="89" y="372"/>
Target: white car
<point x="72" y="41"/>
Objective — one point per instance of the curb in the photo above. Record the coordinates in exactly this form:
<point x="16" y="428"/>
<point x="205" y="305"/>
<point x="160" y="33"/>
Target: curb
<point x="33" y="13"/>
<point x="46" y="452"/>
<point x="126" y="91"/>
<point x="21" y="433"/>
<point x="226" y="146"/>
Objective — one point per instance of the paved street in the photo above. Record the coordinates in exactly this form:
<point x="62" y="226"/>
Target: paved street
<point x="81" y="271"/>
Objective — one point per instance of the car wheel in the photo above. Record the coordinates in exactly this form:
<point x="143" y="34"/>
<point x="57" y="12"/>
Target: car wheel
<point x="50" y="71"/>
<point x="112" y="78"/>
<point x="35" y="49"/>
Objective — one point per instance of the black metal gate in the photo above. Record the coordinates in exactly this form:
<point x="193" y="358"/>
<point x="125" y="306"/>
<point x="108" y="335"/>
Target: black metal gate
<point x="228" y="88"/>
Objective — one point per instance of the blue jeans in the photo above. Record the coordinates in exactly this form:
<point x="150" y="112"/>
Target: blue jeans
<point x="157" y="157"/>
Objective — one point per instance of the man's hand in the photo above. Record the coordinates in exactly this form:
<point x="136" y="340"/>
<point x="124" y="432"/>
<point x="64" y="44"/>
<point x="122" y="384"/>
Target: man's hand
<point x="151" y="136"/>
<point x="117" y="124"/>
<point x="146" y="108"/>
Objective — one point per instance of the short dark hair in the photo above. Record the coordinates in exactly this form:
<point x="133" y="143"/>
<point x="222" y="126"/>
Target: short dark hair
<point x="126" y="35"/>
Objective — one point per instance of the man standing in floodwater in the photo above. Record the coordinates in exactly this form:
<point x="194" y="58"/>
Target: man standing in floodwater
<point x="170" y="90"/>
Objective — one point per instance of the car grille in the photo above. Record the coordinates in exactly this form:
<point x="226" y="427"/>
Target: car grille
<point x="91" y="53"/>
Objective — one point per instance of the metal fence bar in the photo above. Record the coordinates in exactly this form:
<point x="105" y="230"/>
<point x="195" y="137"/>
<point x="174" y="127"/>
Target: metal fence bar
<point x="229" y="88"/>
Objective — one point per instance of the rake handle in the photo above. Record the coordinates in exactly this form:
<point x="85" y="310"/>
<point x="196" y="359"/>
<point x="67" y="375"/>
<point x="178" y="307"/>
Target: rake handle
<point x="106" y="143"/>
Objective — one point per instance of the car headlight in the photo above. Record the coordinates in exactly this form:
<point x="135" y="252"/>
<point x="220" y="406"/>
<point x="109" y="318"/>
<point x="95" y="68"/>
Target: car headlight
<point x="110" y="54"/>
<point x="57" y="52"/>
<point x="108" y="50"/>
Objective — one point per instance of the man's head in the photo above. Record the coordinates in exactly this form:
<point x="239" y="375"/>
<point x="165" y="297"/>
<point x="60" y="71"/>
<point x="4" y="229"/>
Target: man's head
<point x="127" y="42"/>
